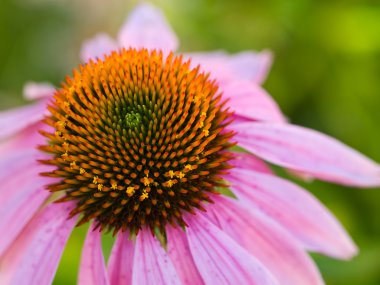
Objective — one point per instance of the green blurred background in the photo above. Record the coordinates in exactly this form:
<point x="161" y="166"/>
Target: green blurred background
<point x="326" y="75"/>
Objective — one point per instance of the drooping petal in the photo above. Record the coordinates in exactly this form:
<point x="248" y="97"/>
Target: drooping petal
<point x="301" y="175"/>
<point x="146" y="27"/>
<point x="92" y="268"/>
<point x="17" y="164"/>
<point x="276" y="249"/>
<point x="179" y="253"/>
<point x="248" y="161"/>
<point x="239" y="119"/>
<point x="12" y="163"/>
<point x="121" y="260"/>
<point x="33" y="258"/>
<point x="220" y="260"/>
<point x="15" y="120"/>
<point x="34" y="90"/>
<point x="295" y="209"/>
<point x="28" y="138"/>
<point x="308" y="151"/>
<point x="252" y="102"/>
<point x="97" y="47"/>
<point x="151" y="264"/>
<point x="251" y="66"/>
<point x="19" y="201"/>
<point x="21" y="192"/>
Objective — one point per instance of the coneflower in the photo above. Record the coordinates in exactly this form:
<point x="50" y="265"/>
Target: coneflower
<point x="166" y="151"/>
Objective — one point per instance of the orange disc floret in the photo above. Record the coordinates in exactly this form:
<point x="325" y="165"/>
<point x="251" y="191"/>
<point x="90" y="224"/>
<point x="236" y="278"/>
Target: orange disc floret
<point x="139" y="139"/>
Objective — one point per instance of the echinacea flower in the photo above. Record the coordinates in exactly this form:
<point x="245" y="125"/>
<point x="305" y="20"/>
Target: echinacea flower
<point x="141" y="142"/>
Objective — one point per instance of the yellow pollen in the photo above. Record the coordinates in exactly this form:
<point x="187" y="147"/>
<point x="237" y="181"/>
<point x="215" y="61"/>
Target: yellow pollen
<point x="82" y="170"/>
<point x="65" y="155"/>
<point x="130" y="191"/>
<point x="188" y="167"/>
<point x="203" y="114"/>
<point x="181" y="175"/>
<point x="169" y="183"/>
<point x="201" y="124"/>
<point x="58" y="133"/>
<point x="61" y="125"/>
<point x="144" y="196"/>
<point x="73" y="164"/>
<point x="100" y="187"/>
<point x="95" y="180"/>
<point x="114" y="186"/>
<point x="206" y="133"/>
<point x="146" y="181"/>
<point x="196" y="99"/>
<point x="171" y="173"/>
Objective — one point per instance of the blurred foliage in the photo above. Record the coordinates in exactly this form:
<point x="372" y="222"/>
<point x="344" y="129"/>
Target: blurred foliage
<point x="325" y="76"/>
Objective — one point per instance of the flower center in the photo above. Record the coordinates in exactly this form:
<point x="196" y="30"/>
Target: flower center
<point x="137" y="139"/>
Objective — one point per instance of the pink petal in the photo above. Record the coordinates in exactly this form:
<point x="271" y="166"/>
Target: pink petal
<point x="300" y="175"/>
<point x="179" y="253"/>
<point x="251" y="66"/>
<point x="250" y="101"/>
<point x="295" y="209"/>
<point x="239" y="119"/>
<point x="33" y="258"/>
<point x="15" y="120"/>
<point x="92" y="267"/>
<point x="121" y="260"/>
<point x="33" y="90"/>
<point x="146" y="27"/>
<point x="28" y="138"/>
<point x="267" y="241"/>
<point x="151" y="264"/>
<point x="13" y="163"/>
<point x="308" y="151"/>
<point x="97" y="47"/>
<point x="220" y="260"/>
<point x="21" y="194"/>
<point x="248" y="161"/>
<point x="16" y="164"/>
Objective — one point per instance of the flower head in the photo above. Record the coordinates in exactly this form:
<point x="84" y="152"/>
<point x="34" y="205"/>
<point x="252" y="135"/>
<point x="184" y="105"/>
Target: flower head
<point x="140" y="141"/>
<point x="134" y="118"/>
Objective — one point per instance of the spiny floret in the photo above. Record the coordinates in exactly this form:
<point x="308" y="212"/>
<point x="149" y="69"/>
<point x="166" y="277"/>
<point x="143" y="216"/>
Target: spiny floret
<point x="138" y="139"/>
